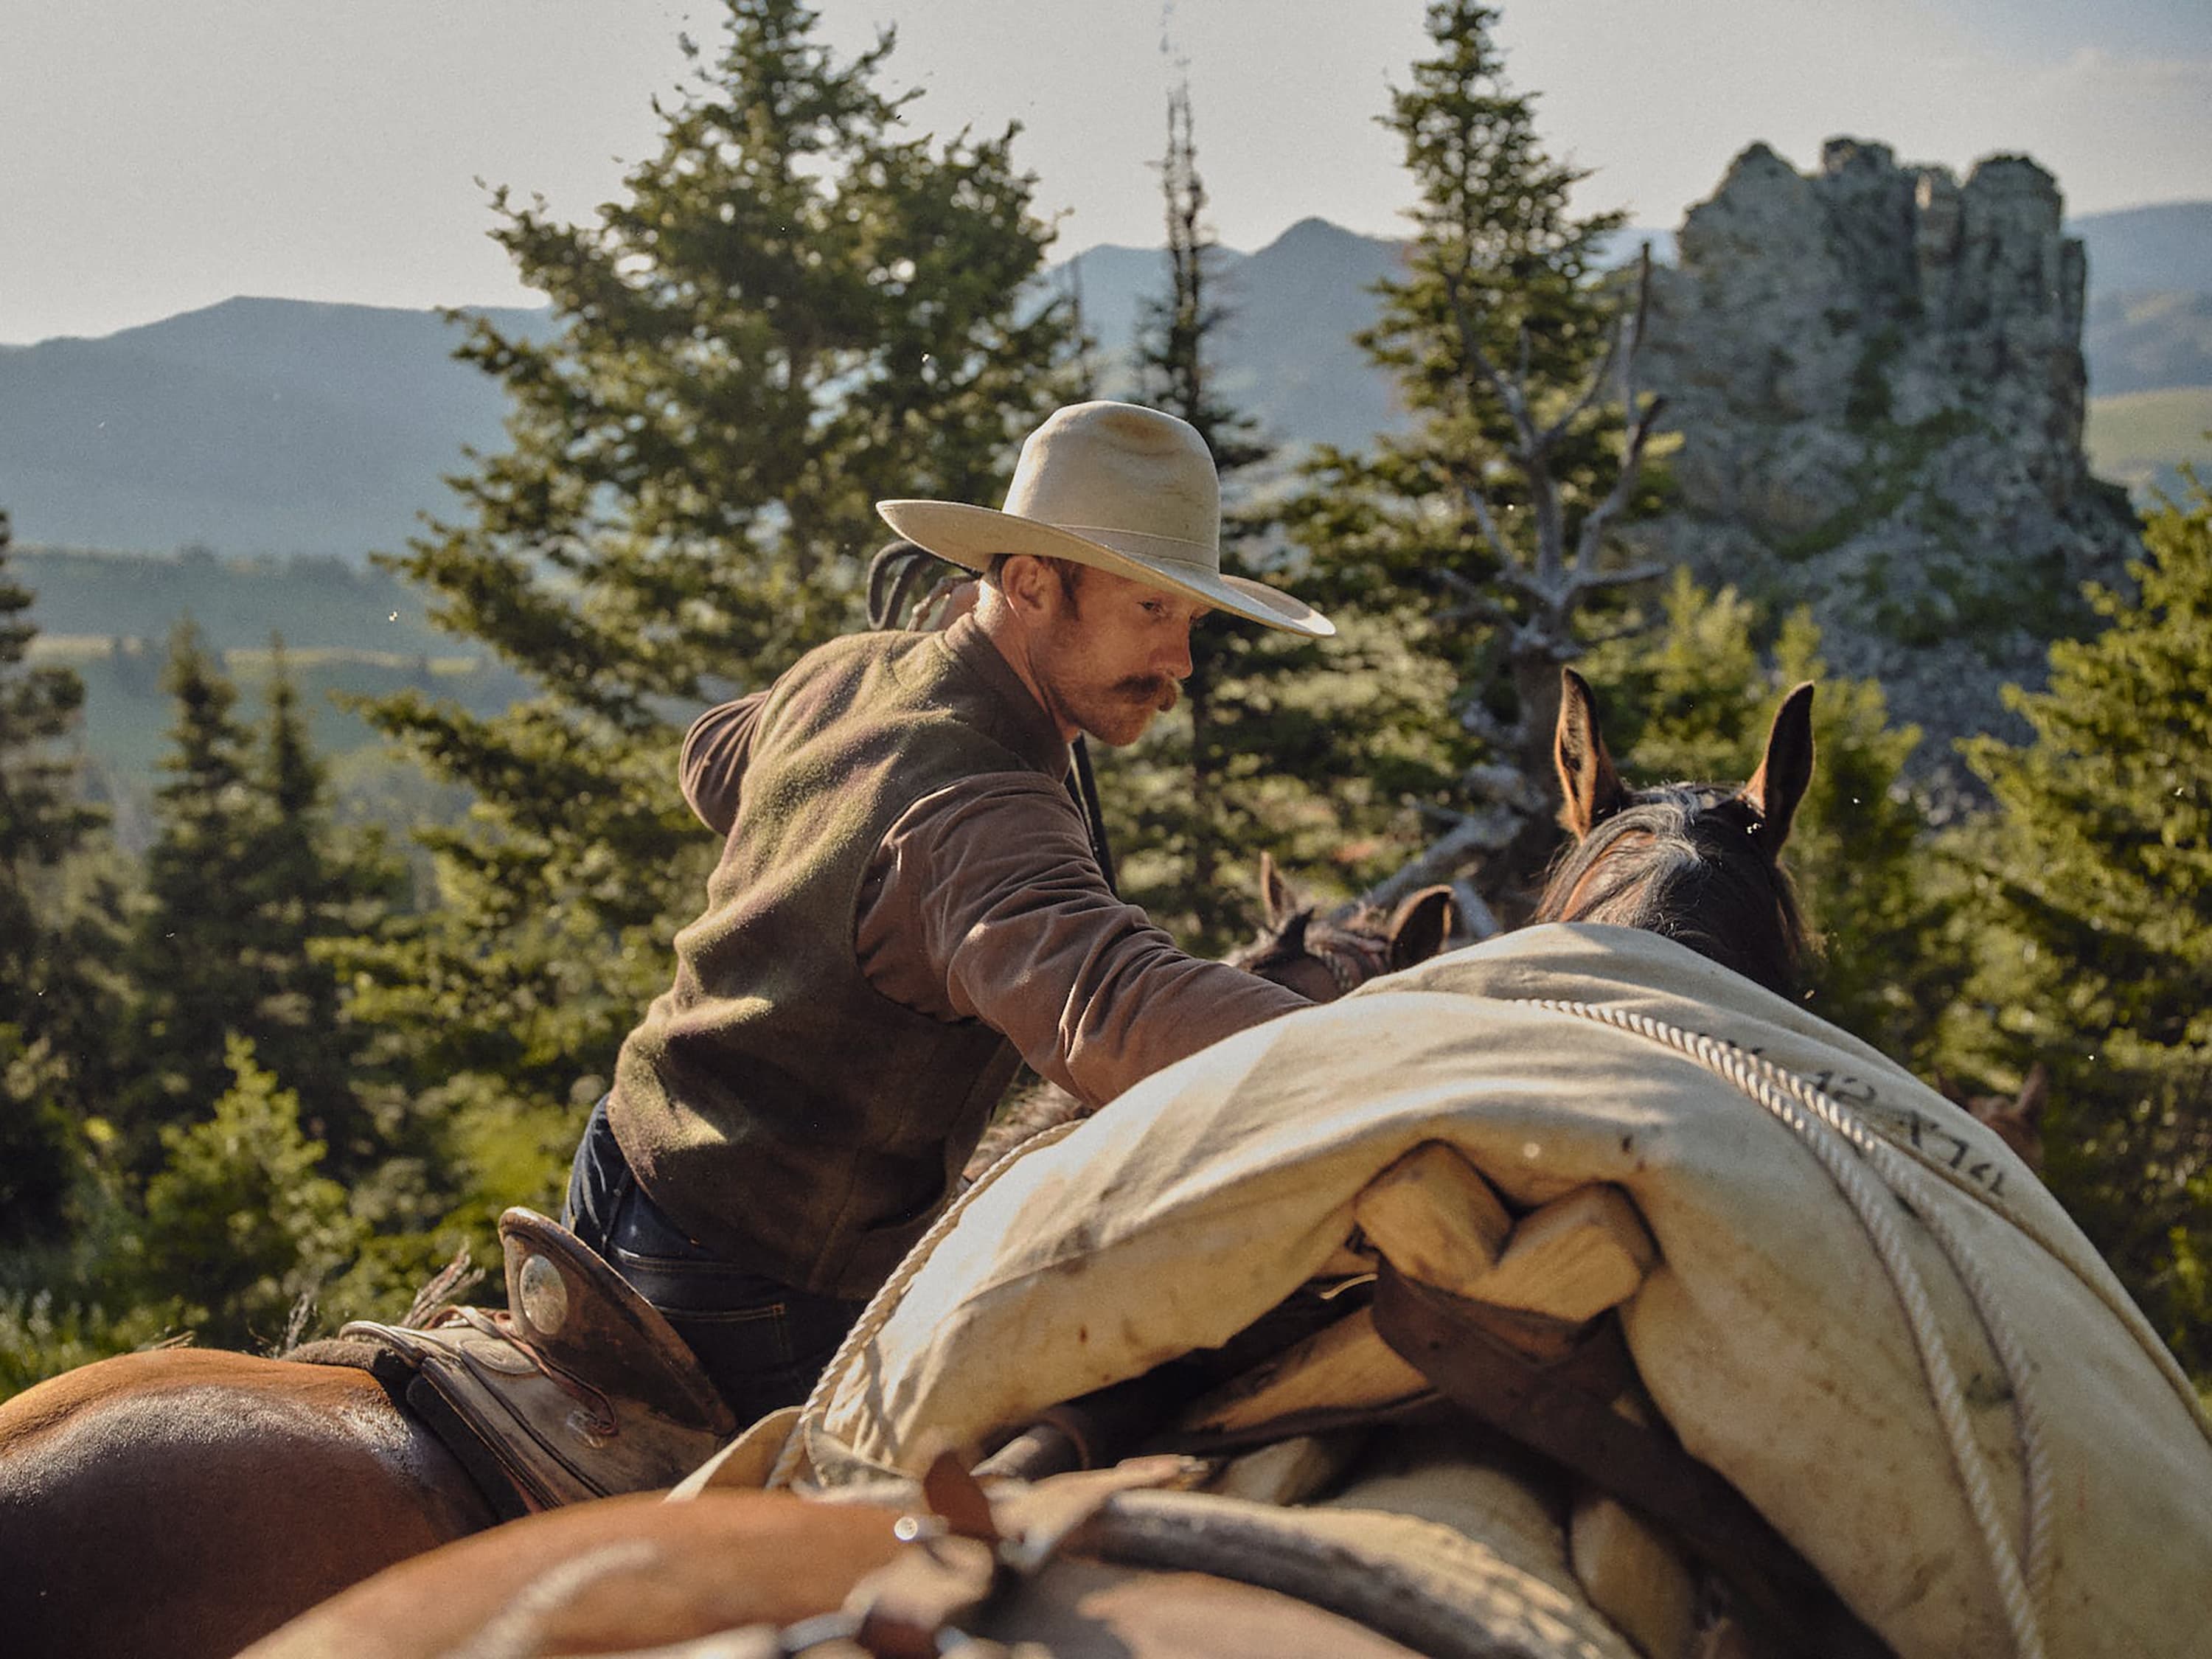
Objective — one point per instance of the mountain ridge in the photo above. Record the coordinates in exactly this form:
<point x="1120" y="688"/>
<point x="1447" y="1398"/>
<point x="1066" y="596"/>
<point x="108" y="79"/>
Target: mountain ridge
<point x="271" y="426"/>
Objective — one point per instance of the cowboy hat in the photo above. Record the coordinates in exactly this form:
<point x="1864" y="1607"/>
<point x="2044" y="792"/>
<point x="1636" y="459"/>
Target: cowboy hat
<point x="1124" y="488"/>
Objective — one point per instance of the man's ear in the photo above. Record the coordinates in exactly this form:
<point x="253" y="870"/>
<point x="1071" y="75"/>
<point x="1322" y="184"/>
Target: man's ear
<point x="1022" y="582"/>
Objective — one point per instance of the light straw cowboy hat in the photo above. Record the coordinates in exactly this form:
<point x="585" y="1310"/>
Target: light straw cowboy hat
<point x="1129" y="490"/>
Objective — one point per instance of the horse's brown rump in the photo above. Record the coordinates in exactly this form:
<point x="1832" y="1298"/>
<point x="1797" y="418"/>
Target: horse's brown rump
<point x="616" y="1574"/>
<point x="134" y="1494"/>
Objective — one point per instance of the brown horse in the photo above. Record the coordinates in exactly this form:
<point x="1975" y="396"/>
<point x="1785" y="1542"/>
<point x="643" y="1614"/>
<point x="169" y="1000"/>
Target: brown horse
<point x="2017" y="1118"/>
<point x="186" y="1501"/>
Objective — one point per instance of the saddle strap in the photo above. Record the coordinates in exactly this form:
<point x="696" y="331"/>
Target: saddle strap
<point x="1561" y="1406"/>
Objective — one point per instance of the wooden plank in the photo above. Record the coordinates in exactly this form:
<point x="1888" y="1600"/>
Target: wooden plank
<point x="1342" y="1366"/>
<point x="1435" y="1217"/>
<point x="1571" y="1258"/>
<point x="1633" y="1575"/>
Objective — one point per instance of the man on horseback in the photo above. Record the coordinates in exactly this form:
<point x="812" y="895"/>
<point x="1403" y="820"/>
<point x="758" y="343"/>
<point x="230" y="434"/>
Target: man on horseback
<point x="910" y="903"/>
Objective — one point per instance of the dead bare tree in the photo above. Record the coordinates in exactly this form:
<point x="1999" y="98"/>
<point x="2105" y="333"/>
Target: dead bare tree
<point x="1489" y="851"/>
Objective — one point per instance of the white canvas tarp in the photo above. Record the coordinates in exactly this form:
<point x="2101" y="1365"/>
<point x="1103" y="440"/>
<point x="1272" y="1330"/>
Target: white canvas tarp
<point x="1772" y="1333"/>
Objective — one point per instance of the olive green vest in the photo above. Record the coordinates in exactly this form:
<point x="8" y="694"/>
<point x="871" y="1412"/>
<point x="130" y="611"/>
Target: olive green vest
<point x="788" y="1115"/>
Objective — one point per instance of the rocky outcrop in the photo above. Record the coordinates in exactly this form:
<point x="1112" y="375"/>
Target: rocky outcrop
<point x="1876" y="373"/>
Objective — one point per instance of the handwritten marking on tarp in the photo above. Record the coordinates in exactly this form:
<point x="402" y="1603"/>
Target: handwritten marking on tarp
<point x="1903" y="1124"/>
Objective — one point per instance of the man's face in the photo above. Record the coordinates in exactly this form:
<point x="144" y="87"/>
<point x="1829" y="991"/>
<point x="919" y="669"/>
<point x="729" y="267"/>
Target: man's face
<point x="1110" y="656"/>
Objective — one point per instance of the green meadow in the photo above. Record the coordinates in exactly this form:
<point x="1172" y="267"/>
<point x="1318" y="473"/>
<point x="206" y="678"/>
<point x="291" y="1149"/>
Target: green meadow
<point x="2142" y="438"/>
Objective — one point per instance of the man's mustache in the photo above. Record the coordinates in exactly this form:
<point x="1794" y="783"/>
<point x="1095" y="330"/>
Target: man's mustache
<point x="1158" y="690"/>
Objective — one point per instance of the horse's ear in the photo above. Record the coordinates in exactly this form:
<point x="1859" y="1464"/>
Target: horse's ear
<point x="1421" y="926"/>
<point x="1589" y="788"/>
<point x="2019" y="1122"/>
<point x="1274" y="892"/>
<point x="1780" y="782"/>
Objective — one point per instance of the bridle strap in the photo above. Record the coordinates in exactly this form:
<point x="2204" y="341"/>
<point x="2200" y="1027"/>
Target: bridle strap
<point x="1351" y="959"/>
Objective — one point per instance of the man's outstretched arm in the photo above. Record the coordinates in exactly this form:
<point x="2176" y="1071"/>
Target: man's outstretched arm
<point x="984" y="902"/>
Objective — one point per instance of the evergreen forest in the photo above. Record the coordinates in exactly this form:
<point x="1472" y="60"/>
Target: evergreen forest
<point x="274" y="1070"/>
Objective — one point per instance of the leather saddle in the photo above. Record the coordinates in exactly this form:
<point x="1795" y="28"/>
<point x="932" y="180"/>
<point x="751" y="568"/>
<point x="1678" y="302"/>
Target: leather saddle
<point x="578" y="1388"/>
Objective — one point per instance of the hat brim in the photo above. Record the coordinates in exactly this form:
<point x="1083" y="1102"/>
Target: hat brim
<point x="974" y="536"/>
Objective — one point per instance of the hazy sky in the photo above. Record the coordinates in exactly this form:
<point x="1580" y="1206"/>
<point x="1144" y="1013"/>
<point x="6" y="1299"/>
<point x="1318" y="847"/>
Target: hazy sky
<point x="156" y="156"/>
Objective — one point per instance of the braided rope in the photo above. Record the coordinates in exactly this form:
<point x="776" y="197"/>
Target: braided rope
<point x="1783" y="1096"/>
<point x="881" y="1305"/>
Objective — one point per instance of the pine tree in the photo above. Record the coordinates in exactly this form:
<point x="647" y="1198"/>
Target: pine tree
<point x="245" y="878"/>
<point x="1480" y="540"/>
<point x="242" y="1226"/>
<point x="45" y="999"/>
<point x="2097" y="926"/>
<point x="795" y="310"/>
<point x="313" y="884"/>
<point x="191" y="961"/>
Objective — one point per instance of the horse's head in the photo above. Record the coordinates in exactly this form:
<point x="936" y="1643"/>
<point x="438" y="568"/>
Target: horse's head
<point x="1320" y="958"/>
<point x="1697" y="863"/>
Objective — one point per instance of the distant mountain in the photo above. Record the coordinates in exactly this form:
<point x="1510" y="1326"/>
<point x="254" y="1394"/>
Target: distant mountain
<point x="279" y="426"/>
<point x="1286" y="348"/>
<point x="253" y="426"/>
<point x="1291" y="309"/>
<point x="2147" y="342"/>
<point x="2149" y="249"/>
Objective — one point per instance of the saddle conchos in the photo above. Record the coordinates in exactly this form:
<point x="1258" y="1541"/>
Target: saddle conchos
<point x="578" y="1390"/>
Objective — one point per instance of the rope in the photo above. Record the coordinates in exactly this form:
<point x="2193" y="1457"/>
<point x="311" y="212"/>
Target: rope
<point x="884" y="1302"/>
<point x="1783" y="1094"/>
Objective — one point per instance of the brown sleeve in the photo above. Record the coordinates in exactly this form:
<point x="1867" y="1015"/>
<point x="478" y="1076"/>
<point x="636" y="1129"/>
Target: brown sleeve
<point x="714" y="760"/>
<point x="984" y="902"/>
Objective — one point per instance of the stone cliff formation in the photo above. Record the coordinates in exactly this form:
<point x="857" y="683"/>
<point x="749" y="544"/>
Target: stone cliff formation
<point x="1876" y="373"/>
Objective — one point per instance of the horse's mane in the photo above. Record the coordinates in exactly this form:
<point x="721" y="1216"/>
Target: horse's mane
<point x="1683" y="860"/>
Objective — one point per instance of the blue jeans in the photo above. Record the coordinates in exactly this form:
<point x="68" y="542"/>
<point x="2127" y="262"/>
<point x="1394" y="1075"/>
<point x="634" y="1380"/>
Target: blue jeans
<point x="761" y="1342"/>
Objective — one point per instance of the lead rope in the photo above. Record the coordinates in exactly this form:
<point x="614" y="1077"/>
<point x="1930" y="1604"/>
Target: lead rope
<point x="1783" y="1094"/>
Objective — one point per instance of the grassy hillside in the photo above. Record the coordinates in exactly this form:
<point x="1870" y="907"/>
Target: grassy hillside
<point x="313" y="602"/>
<point x="2141" y="438"/>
